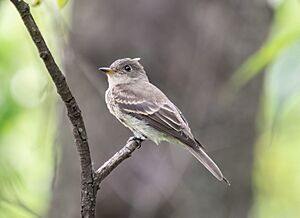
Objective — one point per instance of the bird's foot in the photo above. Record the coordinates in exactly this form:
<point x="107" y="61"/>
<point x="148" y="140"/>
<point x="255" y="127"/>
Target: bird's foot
<point x="136" y="139"/>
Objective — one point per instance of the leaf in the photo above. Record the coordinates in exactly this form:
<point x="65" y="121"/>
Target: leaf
<point x="282" y="87"/>
<point x="284" y="75"/>
<point x="33" y="3"/>
<point x="61" y="3"/>
<point x="285" y="31"/>
<point x="36" y="3"/>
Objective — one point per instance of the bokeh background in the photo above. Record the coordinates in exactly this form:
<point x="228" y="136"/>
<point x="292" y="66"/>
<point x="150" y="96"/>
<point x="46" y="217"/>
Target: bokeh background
<point x="232" y="67"/>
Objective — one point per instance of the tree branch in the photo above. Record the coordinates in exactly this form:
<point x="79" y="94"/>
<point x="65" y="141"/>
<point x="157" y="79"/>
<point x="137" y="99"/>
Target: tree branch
<point x="90" y="180"/>
<point x="74" y="113"/>
<point x="115" y="160"/>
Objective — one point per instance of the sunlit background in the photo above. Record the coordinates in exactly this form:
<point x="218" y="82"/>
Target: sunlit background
<point x="38" y="171"/>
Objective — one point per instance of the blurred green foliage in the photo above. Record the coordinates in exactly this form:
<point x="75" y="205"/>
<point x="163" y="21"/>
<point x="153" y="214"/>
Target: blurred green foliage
<point x="61" y="3"/>
<point x="277" y="163"/>
<point x="277" y="168"/>
<point x="284" y="31"/>
<point x="27" y="118"/>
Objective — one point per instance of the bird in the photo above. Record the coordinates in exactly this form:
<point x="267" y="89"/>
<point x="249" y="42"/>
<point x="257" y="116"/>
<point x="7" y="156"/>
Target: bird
<point x="147" y="111"/>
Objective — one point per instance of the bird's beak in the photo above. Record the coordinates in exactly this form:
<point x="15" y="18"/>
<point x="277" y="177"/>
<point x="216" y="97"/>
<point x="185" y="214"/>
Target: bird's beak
<point x="106" y="70"/>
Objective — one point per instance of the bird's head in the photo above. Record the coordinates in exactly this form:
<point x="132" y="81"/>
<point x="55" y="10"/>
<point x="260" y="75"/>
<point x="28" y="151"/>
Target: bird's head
<point x="125" y="70"/>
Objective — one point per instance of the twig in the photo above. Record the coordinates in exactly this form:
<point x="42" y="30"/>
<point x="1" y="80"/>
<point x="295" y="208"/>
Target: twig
<point x="115" y="160"/>
<point x="90" y="180"/>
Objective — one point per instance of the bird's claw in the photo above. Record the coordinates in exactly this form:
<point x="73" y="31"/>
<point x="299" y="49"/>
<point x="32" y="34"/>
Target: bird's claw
<point x="138" y="140"/>
<point x="140" y="145"/>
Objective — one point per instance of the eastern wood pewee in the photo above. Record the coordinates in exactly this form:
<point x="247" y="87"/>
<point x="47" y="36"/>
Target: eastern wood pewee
<point x="147" y="112"/>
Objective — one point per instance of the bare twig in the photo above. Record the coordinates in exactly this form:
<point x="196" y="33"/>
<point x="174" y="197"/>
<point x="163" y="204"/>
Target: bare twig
<point x="115" y="160"/>
<point x="90" y="180"/>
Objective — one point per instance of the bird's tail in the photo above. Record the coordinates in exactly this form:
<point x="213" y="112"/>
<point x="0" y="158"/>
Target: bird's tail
<point x="209" y="164"/>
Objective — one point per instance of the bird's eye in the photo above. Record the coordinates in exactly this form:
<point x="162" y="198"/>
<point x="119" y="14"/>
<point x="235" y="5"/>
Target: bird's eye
<point x="127" y="68"/>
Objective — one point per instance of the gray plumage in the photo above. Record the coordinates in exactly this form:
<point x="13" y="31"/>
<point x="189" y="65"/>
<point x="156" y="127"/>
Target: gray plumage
<point x="147" y="111"/>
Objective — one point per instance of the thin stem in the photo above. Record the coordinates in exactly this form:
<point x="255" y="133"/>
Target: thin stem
<point x="115" y="160"/>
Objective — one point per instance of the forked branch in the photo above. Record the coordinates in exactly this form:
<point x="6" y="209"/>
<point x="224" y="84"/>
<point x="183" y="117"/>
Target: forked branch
<point x="90" y="180"/>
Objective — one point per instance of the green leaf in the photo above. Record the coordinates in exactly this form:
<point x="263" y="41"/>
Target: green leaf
<point x="61" y="3"/>
<point x="285" y="31"/>
<point x="33" y="3"/>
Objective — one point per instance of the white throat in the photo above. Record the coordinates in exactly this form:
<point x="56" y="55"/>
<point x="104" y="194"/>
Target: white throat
<point x="115" y="80"/>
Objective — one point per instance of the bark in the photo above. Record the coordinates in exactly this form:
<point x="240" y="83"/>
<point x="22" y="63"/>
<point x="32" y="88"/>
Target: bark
<point x="90" y="179"/>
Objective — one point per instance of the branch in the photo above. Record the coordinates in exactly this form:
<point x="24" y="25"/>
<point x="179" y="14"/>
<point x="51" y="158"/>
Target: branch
<point x="90" y="180"/>
<point x="115" y="160"/>
<point x="88" y="194"/>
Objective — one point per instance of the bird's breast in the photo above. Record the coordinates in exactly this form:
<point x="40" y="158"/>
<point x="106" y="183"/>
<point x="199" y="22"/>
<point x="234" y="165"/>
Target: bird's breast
<point x="109" y="101"/>
<point x="113" y="106"/>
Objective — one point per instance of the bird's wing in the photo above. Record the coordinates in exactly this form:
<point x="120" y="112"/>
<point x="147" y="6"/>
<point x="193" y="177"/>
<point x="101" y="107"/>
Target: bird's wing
<point x="146" y="102"/>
